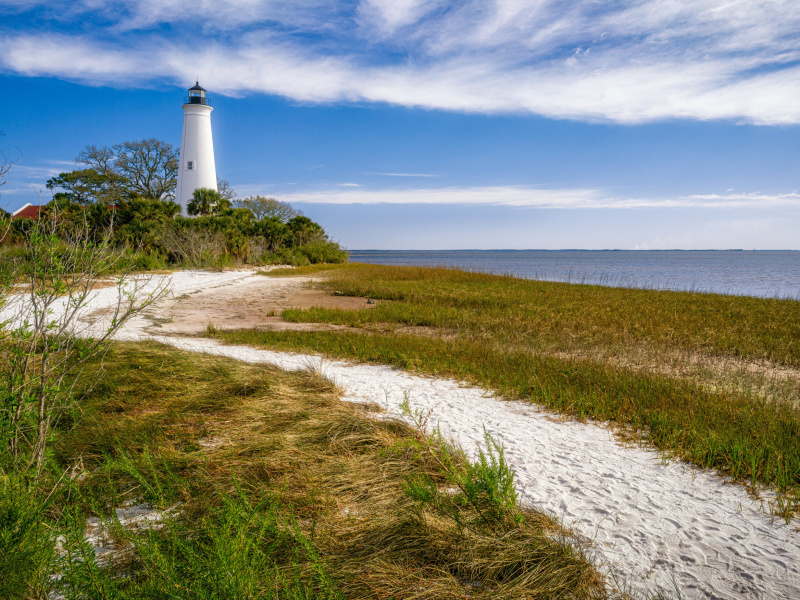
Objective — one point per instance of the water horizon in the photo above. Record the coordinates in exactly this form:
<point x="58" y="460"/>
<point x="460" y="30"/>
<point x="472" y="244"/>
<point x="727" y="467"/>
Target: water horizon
<point x="735" y="271"/>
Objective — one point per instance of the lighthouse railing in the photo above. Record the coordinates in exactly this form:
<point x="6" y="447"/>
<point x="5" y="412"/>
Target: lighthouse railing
<point x="195" y="100"/>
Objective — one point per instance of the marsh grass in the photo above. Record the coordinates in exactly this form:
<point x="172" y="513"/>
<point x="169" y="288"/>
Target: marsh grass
<point x="270" y="487"/>
<point x="302" y="270"/>
<point x="551" y="343"/>
<point x="554" y="316"/>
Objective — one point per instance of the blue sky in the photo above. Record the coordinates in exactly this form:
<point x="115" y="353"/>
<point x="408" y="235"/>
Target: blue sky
<point x="433" y="124"/>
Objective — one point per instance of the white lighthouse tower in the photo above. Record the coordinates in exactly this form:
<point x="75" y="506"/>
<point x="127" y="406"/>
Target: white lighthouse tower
<point x="196" y="169"/>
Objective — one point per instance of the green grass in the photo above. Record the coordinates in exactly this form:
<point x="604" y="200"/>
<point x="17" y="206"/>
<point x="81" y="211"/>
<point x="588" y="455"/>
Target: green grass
<point x="274" y="489"/>
<point x="530" y="340"/>
<point x="303" y="270"/>
<point x="568" y="317"/>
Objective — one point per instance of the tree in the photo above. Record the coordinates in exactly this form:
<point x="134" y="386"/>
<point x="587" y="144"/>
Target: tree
<point x="303" y="230"/>
<point x="225" y="190"/>
<point x="147" y="168"/>
<point x="6" y="162"/>
<point x="205" y="202"/>
<point x="264" y="207"/>
<point x="85" y="186"/>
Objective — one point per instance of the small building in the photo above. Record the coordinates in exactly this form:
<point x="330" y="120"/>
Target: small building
<point x="29" y="211"/>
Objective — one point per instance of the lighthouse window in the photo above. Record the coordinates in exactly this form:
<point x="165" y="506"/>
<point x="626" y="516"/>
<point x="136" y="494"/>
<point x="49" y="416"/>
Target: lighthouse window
<point x="190" y="165"/>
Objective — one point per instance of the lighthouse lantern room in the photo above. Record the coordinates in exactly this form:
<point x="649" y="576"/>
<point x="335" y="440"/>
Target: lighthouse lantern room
<point x="197" y="168"/>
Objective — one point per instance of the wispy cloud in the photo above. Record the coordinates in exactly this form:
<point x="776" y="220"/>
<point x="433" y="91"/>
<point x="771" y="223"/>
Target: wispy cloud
<point x="391" y="15"/>
<point x="40" y="173"/>
<point x="27" y="183"/>
<point x="530" y="197"/>
<point x="403" y="174"/>
<point x="628" y="62"/>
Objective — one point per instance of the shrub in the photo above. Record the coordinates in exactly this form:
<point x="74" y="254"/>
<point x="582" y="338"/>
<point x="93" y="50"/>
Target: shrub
<point x="148" y="261"/>
<point x="139" y="221"/>
<point x="191" y="246"/>
<point x="27" y="550"/>
<point x="321" y="251"/>
<point x="286" y="256"/>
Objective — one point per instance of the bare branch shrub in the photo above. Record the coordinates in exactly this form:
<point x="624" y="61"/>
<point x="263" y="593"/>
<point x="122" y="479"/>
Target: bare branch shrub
<point x="193" y="246"/>
<point x="47" y="333"/>
<point x="264" y="207"/>
<point x="6" y="162"/>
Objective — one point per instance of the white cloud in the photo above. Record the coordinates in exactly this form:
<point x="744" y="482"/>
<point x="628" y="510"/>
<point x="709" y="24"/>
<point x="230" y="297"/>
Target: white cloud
<point x="71" y="57"/>
<point x="630" y="62"/>
<point x="404" y="174"/>
<point x="42" y="172"/>
<point x="530" y="197"/>
<point x="390" y="15"/>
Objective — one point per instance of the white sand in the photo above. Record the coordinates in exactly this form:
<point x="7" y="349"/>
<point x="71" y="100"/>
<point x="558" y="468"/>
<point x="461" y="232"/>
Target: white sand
<point x="652" y="524"/>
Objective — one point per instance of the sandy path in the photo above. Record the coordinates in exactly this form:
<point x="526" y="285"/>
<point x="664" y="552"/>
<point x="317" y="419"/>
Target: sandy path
<point x="254" y="301"/>
<point x="651" y="523"/>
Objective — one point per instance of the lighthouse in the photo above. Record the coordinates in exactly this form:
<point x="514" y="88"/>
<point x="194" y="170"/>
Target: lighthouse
<point x="196" y="169"/>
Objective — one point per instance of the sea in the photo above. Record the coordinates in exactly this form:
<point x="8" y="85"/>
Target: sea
<point x="763" y="273"/>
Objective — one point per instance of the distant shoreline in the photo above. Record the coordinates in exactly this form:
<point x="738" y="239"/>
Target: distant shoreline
<point x="757" y="273"/>
<point x="578" y="250"/>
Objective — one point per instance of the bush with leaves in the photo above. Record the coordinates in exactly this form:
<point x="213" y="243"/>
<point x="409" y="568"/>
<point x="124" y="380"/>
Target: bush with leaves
<point x="44" y="340"/>
<point x="206" y="202"/>
<point x="139" y="221"/>
<point x="482" y="495"/>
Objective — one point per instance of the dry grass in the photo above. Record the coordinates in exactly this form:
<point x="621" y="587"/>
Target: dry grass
<point x="172" y="428"/>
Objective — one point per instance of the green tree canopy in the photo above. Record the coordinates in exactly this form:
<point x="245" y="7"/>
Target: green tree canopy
<point x="139" y="220"/>
<point x="303" y="230"/>
<point x="84" y="186"/>
<point x="147" y="168"/>
<point x="206" y="202"/>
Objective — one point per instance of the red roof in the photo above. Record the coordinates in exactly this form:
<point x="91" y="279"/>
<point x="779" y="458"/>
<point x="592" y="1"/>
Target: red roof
<point x="27" y="212"/>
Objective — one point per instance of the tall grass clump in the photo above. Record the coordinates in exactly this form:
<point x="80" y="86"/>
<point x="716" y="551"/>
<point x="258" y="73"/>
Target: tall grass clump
<point x="27" y="543"/>
<point x="485" y="485"/>
<point x="245" y="548"/>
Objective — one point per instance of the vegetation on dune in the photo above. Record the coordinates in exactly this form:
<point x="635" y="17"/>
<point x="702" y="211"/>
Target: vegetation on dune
<point x="569" y="347"/>
<point x="271" y="488"/>
<point x="126" y="192"/>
